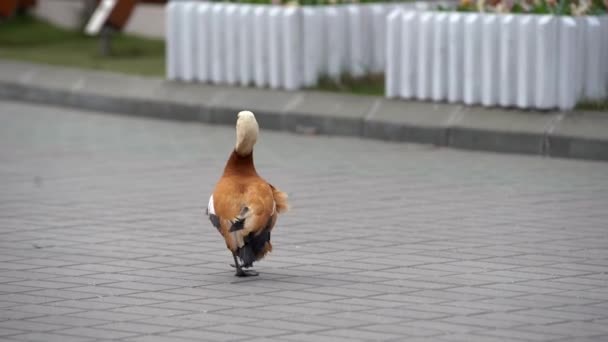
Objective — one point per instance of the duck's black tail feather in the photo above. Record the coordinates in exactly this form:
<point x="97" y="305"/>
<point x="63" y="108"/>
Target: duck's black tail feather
<point x="254" y="245"/>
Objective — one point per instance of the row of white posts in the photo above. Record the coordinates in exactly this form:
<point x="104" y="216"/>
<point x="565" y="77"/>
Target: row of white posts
<point x="283" y="47"/>
<point x="525" y="61"/>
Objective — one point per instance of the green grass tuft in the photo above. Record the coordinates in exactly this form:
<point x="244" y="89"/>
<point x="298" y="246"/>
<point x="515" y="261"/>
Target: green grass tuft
<point x="598" y="105"/>
<point x="29" y="39"/>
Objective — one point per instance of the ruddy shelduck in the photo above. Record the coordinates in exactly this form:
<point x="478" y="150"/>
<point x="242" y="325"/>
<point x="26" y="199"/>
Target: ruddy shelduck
<point x="243" y="206"/>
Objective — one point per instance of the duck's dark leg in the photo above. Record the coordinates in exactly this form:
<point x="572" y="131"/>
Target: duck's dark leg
<point x="240" y="272"/>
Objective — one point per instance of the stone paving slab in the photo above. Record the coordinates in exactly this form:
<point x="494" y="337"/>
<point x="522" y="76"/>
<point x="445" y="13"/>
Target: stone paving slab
<point x="568" y="135"/>
<point x="103" y="237"/>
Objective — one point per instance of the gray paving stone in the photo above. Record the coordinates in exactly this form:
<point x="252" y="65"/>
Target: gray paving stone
<point x="586" y="127"/>
<point x="49" y="309"/>
<point x="407" y="331"/>
<point x="401" y="121"/>
<point x="95" y="333"/>
<point x="289" y="326"/>
<point x="361" y="334"/>
<point x="135" y="327"/>
<point x="209" y="335"/>
<point x="68" y="320"/>
<point x="155" y="338"/>
<point x="29" y="326"/>
<point x="318" y="337"/>
<point x="49" y="337"/>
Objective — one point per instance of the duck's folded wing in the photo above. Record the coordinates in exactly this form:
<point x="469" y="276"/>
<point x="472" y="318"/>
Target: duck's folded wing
<point x="215" y="220"/>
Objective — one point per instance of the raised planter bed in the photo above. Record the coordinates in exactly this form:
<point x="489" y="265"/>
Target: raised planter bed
<point x="282" y="47"/>
<point x="526" y="61"/>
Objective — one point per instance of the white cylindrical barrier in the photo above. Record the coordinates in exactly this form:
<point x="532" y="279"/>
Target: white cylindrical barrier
<point x="275" y="50"/>
<point x="440" y="57"/>
<point x="455" y="57"/>
<point x="291" y="45"/>
<point x="594" y="83"/>
<point x="261" y="73"/>
<point x="604" y="21"/>
<point x="336" y="41"/>
<point x="527" y="61"/>
<point x="312" y="20"/>
<point x="581" y="47"/>
<point x="489" y="60"/>
<point x="172" y="39"/>
<point x="546" y="63"/>
<point x="472" y="59"/>
<point x="217" y="44"/>
<point x="188" y="41"/>
<point x="378" y="45"/>
<point x="424" y="60"/>
<point x="231" y="43"/>
<point x="245" y="42"/>
<point x="392" y="75"/>
<point x="356" y="39"/>
<point x="479" y="58"/>
<point x="409" y="65"/>
<point x="507" y="52"/>
<point x="566" y="89"/>
<point x="526" y="39"/>
<point x="203" y="42"/>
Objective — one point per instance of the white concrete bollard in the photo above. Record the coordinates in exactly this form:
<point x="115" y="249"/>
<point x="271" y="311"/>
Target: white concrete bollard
<point x="217" y="44"/>
<point x="188" y="42"/>
<point x="275" y="49"/>
<point x="604" y="20"/>
<point x="425" y="52"/>
<point x="409" y="65"/>
<point x="203" y="42"/>
<point x="472" y="59"/>
<point x="336" y="41"/>
<point x="291" y="44"/>
<point x="312" y="21"/>
<point x="507" y="52"/>
<point x="232" y="48"/>
<point x="378" y="15"/>
<point x="172" y="39"/>
<point x="546" y="62"/>
<point x="261" y="72"/>
<point x="489" y="60"/>
<point x="455" y="57"/>
<point x="245" y="42"/>
<point x="393" y="54"/>
<point x="566" y="89"/>
<point x="440" y="57"/>
<point x="526" y="38"/>
<point x="356" y="41"/>
<point x="594" y="82"/>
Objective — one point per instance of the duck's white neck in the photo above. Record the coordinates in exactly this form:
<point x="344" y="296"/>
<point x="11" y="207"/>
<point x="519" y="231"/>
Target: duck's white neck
<point x="246" y="133"/>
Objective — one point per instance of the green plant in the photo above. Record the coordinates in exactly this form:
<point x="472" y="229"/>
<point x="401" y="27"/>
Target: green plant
<point x="556" y="7"/>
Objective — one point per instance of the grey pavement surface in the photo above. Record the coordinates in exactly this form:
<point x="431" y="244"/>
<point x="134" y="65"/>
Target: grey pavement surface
<point x="582" y="135"/>
<point x="102" y="237"/>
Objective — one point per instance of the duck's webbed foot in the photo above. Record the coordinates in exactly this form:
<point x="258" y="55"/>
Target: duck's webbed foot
<point x="244" y="273"/>
<point x="240" y="272"/>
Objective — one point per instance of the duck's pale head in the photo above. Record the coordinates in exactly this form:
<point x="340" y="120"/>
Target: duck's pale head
<point x="247" y="130"/>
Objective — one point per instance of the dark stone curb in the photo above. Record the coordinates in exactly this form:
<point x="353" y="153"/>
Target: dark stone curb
<point x="565" y="135"/>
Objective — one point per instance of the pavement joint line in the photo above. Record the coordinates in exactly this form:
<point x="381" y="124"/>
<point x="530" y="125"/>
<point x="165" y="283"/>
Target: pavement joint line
<point x="293" y="103"/>
<point x="455" y="116"/>
<point x="549" y="130"/>
<point x="78" y="84"/>
<point x="373" y="110"/>
<point x="27" y="76"/>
